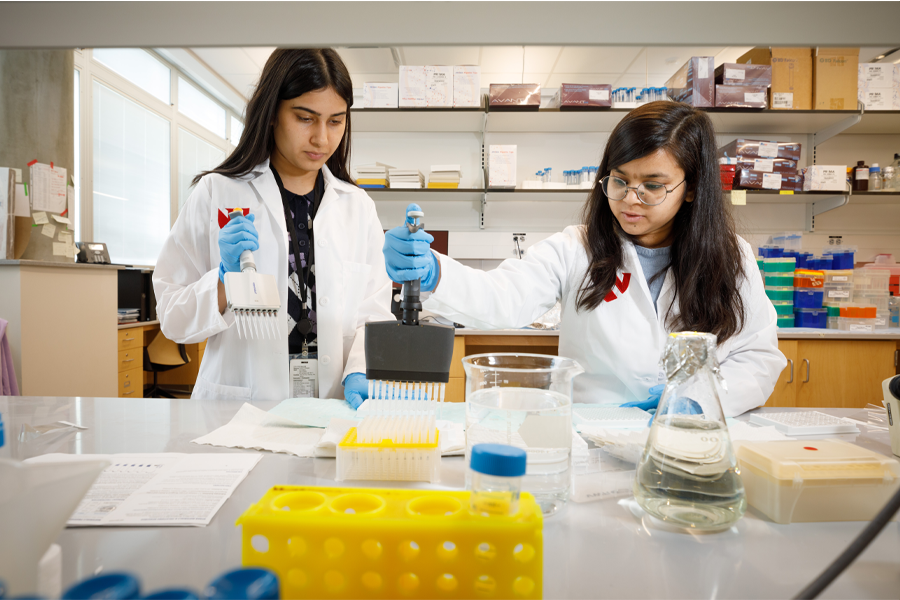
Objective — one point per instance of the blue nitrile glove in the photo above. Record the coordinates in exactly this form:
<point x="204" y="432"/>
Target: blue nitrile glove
<point x="239" y="234"/>
<point x="356" y="389"/>
<point x="651" y="402"/>
<point x="408" y="256"/>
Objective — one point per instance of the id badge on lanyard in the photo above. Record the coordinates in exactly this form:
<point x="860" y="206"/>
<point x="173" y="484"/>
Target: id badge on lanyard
<point x="304" y="374"/>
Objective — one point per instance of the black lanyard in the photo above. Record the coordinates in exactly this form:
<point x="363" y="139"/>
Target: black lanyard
<point x="305" y="325"/>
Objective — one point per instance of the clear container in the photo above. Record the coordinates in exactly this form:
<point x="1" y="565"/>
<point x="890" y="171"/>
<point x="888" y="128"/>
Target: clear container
<point x="842" y="276"/>
<point x="871" y="279"/>
<point x="838" y="293"/>
<point x="496" y="472"/>
<point x="875" y="180"/>
<point x="806" y="481"/>
<point x="688" y="474"/>
<point x="890" y="179"/>
<point x="833" y="323"/>
<point x="525" y="400"/>
<point x="856" y="325"/>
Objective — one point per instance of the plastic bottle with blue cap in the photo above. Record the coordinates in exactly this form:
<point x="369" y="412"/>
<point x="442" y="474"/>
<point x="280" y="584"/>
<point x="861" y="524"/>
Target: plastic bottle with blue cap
<point x="244" y="584"/>
<point x="112" y="586"/>
<point x="497" y="472"/>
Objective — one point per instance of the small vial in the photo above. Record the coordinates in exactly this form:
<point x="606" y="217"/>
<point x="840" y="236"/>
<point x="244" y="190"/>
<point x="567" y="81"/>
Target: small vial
<point x="497" y="472"/>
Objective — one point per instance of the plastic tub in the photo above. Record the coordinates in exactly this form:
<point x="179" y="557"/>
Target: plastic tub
<point x="856" y="325"/>
<point x="804" y="278"/>
<point x="843" y="257"/>
<point x="822" y="263"/>
<point x="779" y="280"/>
<point x="808" y="298"/>
<point x="833" y="323"/>
<point x="802" y="258"/>
<point x="780" y="294"/>
<point x="785" y="321"/>
<point x="880" y="300"/>
<point x="783" y="308"/>
<point x="816" y="318"/>
<point x="769" y="251"/>
<point x="780" y="265"/>
<point x="806" y="481"/>
<point x="876" y="280"/>
<point x="833" y="311"/>
<point x="858" y="311"/>
<point x="840" y="293"/>
<point x="789" y="240"/>
<point x="843" y="276"/>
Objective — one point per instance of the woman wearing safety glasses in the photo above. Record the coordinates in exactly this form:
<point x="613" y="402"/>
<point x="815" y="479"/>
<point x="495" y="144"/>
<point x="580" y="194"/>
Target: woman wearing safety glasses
<point x="656" y="253"/>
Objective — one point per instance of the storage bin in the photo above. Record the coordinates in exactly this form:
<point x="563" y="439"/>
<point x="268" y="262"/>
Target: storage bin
<point x="783" y="308"/>
<point x="876" y="280"/>
<point x="780" y="265"/>
<point x="843" y="258"/>
<point x="816" y="318"/>
<point x="843" y="276"/>
<point x="808" y="298"/>
<point x="785" y="321"/>
<point x="802" y="258"/>
<point x="858" y="311"/>
<point x="833" y="311"/>
<point x="770" y="251"/>
<point x="839" y="293"/>
<point x="821" y="263"/>
<point x="856" y="325"/>
<point x="779" y="280"/>
<point x="807" y="481"/>
<point x="804" y="278"/>
<point x="880" y="300"/>
<point x="789" y="240"/>
<point x="780" y="294"/>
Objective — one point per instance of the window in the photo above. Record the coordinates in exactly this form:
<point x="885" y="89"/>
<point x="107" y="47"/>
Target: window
<point x="140" y="68"/>
<point x="76" y="172"/>
<point x="132" y="178"/>
<point x="194" y="156"/>
<point x="237" y="130"/>
<point x="197" y="106"/>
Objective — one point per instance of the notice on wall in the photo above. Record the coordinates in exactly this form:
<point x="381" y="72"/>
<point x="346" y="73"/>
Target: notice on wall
<point x="502" y="166"/>
<point x="158" y="489"/>
<point x="48" y="188"/>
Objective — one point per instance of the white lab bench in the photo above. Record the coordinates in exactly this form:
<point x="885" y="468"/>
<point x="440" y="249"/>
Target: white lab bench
<point x="605" y="549"/>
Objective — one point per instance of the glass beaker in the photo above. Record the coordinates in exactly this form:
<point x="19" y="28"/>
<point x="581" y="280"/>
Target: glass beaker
<point x="525" y="400"/>
<point x="688" y="474"/>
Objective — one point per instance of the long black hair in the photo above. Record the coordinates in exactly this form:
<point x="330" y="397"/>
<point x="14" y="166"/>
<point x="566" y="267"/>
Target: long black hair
<point x="289" y="73"/>
<point x="706" y="259"/>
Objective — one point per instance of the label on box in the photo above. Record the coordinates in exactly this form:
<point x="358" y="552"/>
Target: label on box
<point x="754" y="97"/>
<point x="840" y="278"/>
<point x="782" y="100"/>
<point x="703" y="68"/>
<point x="771" y="181"/>
<point x="734" y="73"/>
<point x="763" y="164"/>
<point x="838" y="293"/>
<point x="876" y="74"/>
<point x="599" y="95"/>
<point x="768" y="149"/>
<point x="861" y="328"/>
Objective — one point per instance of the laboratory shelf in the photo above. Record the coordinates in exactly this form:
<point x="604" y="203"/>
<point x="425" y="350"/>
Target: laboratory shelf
<point x="416" y="120"/>
<point x="878" y="122"/>
<point x="537" y="195"/>
<point x="420" y="195"/>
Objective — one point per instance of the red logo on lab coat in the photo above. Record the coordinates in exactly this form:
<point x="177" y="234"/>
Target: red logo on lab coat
<point x="621" y="285"/>
<point x="223" y="216"/>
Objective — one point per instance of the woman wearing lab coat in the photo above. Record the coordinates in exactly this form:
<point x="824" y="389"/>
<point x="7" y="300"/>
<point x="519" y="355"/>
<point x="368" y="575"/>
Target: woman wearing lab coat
<point x="290" y="166"/>
<point x="656" y="253"/>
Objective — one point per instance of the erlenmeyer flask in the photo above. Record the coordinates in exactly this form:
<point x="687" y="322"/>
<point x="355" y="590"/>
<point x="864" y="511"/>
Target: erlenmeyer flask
<point x="688" y="474"/>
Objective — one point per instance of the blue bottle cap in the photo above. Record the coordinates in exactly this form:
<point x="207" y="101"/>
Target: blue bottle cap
<point x="113" y="586"/>
<point x="244" y="584"/>
<point x="173" y="594"/>
<point x="498" y="459"/>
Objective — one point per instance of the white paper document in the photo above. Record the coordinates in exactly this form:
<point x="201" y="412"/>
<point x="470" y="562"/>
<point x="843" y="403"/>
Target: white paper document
<point x="158" y="489"/>
<point x="48" y="188"/>
<point x="23" y="208"/>
<point x="502" y="166"/>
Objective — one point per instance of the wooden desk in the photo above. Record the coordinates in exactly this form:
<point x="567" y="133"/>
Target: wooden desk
<point x="133" y="338"/>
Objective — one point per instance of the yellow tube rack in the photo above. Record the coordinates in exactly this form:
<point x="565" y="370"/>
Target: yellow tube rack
<point x="384" y="543"/>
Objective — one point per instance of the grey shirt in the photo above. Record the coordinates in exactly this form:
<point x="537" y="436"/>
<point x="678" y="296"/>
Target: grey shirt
<point x="653" y="261"/>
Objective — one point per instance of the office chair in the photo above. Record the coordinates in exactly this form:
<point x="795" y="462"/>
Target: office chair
<point x="162" y="354"/>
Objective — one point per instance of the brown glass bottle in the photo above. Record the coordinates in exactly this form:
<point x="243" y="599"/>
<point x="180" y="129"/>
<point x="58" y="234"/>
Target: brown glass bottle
<point x="861" y="177"/>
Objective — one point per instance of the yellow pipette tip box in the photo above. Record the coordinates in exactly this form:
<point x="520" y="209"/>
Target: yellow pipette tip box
<point x="386" y="543"/>
<point x="387" y="461"/>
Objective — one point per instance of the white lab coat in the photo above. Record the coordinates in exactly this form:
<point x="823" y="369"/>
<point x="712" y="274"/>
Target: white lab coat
<point x="619" y="343"/>
<point x="352" y="287"/>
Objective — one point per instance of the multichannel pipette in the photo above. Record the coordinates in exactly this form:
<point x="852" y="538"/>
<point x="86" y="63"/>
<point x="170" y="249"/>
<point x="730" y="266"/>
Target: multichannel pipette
<point x="253" y="298"/>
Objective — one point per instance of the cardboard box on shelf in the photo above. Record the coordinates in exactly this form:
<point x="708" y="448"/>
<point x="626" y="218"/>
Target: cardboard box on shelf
<point x="467" y="86"/>
<point x="694" y="83"/>
<point x="877" y="99"/>
<point x="412" y="87"/>
<point x="875" y="75"/>
<point x="768" y="165"/>
<point x="438" y="86"/>
<point x="751" y="149"/>
<point x="792" y="75"/>
<point x="743" y="74"/>
<point x="515" y="96"/>
<point x="822" y="178"/>
<point x="758" y="180"/>
<point x="380" y="95"/>
<point x="742" y="96"/>
<point x="574" y="96"/>
<point x="835" y="78"/>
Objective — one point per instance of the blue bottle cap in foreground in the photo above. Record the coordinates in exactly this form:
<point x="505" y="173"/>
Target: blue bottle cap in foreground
<point x="498" y="459"/>
<point x="114" y="586"/>
<point x="172" y="594"/>
<point x="244" y="584"/>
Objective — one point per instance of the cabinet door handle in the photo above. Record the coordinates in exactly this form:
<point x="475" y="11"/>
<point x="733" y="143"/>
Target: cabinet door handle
<point x="791" y="380"/>
<point x="807" y="371"/>
<point x="126" y="393"/>
<point x="132" y="360"/>
<point x="128" y="339"/>
<point x="896" y="358"/>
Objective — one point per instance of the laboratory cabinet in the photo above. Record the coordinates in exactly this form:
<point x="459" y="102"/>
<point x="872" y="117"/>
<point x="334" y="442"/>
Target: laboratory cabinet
<point x="834" y="373"/>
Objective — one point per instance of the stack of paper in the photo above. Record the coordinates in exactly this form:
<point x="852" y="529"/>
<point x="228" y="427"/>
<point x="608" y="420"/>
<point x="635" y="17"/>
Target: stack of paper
<point x="444" y="176"/>
<point x="128" y="315"/>
<point x="410" y="179"/>
<point x="372" y="176"/>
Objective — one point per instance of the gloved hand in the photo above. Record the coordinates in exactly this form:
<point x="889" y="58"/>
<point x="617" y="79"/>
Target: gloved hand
<point x="356" y="389"/>
<point x="239" y="234"/>
<point x="651" y="402"/>
<point x="408" y="256"/>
